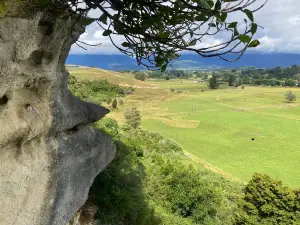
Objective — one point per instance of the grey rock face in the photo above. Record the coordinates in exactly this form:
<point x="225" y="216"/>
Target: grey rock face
<point x="49" y="157"/>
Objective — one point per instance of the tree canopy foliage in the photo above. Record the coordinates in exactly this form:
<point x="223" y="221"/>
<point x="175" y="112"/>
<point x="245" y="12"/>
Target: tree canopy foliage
<point x="276" y="72"/>
<point x="213" y="82"/>
<point x="155" y="31"/>
<point x="150" y="183"/>
<point x="267" y="201"/>
<point x="97" y="91"/>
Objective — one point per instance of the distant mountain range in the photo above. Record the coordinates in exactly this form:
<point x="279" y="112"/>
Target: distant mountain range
<point x="187" y="61"/>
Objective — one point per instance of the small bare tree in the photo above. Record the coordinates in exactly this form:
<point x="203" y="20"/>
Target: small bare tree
<point x="290" y="96"/>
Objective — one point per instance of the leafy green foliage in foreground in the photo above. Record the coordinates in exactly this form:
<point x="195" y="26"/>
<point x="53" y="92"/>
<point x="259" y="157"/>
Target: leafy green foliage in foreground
<point x="267" y="201"/>
<point x="150" y="182"/>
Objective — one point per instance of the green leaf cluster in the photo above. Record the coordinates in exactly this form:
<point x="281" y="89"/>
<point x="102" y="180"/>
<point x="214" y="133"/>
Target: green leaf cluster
<point x="267" y="201"/>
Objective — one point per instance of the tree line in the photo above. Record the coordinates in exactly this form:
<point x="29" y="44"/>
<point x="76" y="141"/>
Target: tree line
<point x="279" y="76"/>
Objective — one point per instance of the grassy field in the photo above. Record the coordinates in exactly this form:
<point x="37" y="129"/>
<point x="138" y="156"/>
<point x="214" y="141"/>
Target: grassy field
<point x="217" y="126"/>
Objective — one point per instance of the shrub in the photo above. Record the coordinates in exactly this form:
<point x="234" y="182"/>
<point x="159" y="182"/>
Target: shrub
<point x="118" y="193"/>
<point x="108" y="125"/>
<point x="213" y="82"/>
<point x="140" y="76"/>
<point x="290" y="96"/>
<point x="121" y="102"/>
<point x="187" y="195"/>
<point x="108" y="100"/>
<point x="243" y="87"/>
<point x="167" y="145"/>
<point x="172" y="89"/>
<point x="290" y="83"/>
<point x="267" y="201"/>
<point x="133" y="117"/>
<point x="114" y="104"/>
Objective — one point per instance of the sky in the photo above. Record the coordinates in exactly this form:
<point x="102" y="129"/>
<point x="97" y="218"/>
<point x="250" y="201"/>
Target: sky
<point x="279" y="18"/>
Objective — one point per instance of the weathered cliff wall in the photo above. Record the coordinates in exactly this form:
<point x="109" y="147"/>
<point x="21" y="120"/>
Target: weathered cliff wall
<point x="49" y="157"/>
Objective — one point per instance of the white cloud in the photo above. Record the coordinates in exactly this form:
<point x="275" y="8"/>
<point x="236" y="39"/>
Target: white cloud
<point x="268" y="44"/>
<point x="281" y="33"/>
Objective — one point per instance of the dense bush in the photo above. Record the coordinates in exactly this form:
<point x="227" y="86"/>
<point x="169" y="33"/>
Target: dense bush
<point x="290" y="83"/>
<point x="121" y="102"/>
<point x="96" y="91"/>
<point x="267" y="201"/>
<point x="118" y="191"/>
<point x="213" y="82"/>
<point x="140" y="76"/>
<point x="149" y="183"/>
<point x="290" y="96"/>
<point x="133" y="117"/>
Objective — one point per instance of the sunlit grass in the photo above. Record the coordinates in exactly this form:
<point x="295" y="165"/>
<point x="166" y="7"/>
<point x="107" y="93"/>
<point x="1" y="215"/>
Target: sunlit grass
<point x="218" y="126"/>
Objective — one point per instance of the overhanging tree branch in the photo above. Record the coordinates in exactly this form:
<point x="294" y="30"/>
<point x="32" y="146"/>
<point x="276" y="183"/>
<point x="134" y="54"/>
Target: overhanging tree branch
<point x="157" y="30"/>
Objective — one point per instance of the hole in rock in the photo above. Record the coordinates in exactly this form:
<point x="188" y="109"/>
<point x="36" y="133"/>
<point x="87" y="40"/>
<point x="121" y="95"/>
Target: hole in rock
<point x="29" y="83"/>
<point x="3" y="100"/>
<point x="36" y="57"/>
<point x="28" y="106"/>
<point x="45" y="27"/>
<point x="73" y="129"/>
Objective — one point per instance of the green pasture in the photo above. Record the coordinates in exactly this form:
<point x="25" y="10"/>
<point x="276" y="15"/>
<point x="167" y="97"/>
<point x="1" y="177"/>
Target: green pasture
<point x="217" y="126"/>
<point x="228" y="120"/>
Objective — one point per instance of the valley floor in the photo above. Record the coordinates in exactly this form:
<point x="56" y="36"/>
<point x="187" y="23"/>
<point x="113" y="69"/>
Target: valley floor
<point x="232" y="131"/>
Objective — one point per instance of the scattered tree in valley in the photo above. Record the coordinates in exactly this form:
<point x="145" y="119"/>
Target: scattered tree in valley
<point x="133" y="117"/>
<point x="231" y="80"/>
<point x="213" y="82"/>
<point x="114" y="104"/>
<point x="290" y="96"/>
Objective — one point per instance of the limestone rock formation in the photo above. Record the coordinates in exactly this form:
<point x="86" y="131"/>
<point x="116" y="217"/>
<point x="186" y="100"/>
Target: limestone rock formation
<point x="49" y="157"/>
